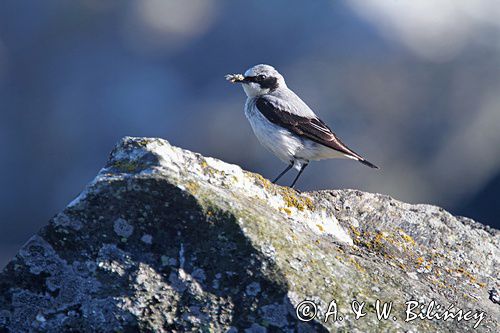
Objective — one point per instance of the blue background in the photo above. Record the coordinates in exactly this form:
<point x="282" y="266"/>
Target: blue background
<point x="414" y="87"/>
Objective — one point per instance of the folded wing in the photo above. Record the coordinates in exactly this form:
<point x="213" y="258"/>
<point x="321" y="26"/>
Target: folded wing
<point x="311" y="128"/>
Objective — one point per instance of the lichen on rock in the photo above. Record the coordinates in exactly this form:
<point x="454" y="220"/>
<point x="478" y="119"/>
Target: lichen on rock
<point x="167" y="240"/>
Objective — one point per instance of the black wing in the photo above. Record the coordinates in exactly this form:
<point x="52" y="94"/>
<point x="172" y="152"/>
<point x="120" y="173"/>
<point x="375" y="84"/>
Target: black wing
<point x="312" y="128"/>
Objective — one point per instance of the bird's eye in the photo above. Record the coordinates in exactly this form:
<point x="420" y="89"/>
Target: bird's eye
<point x="261" y="77"/>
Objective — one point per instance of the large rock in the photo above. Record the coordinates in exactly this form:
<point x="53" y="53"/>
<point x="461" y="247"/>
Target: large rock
<point x="167" y="240"/>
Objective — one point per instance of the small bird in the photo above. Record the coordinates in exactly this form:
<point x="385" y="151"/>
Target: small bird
<point x="285" y="125"/>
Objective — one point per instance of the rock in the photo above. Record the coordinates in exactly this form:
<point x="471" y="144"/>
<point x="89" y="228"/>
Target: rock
<point x="167" y="240"/>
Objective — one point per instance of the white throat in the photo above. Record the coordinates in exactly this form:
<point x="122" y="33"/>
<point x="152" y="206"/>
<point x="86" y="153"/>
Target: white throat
<point x="253" y="89"/>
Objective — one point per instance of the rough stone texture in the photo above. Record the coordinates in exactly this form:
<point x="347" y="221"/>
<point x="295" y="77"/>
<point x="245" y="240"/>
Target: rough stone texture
<point x="167" y="240"/>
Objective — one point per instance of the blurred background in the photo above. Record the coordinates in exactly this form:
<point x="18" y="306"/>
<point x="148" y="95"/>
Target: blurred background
<point x="412" y="85"/>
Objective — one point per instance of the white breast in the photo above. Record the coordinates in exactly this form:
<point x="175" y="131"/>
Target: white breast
<point x="278" y="140"/>
<point x="284" y="144"/>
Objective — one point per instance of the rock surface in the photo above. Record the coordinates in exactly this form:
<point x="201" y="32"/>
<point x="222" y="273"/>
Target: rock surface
<point x="167" y="240"/>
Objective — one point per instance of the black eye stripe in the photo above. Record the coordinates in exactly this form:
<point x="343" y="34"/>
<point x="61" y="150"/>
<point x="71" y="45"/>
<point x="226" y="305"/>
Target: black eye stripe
<point x="270" y="83"/>
<point x="257" y="78"/>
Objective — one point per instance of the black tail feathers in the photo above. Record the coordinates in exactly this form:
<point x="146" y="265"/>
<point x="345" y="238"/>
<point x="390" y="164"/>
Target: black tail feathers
<point x="371" y="165"/>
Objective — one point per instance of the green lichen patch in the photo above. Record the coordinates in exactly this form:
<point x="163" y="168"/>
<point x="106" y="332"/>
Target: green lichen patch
<point x="298" y="201"/>
<point x="128" y="166"/>
<point x="263" y="182"/>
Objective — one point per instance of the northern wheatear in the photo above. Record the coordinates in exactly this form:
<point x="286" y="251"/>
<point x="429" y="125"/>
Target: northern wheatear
<point x="285" y="125"/>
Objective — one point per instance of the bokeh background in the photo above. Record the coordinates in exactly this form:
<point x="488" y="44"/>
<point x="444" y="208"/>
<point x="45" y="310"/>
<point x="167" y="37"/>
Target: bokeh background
<point x="412" y="85"/>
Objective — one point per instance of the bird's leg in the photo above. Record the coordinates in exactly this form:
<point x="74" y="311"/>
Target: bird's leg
<point x="298" y="175"/>
<point x="284" y="171"/>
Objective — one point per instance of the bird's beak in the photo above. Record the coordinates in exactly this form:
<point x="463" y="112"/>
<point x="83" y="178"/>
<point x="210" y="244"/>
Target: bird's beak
<point x="236" y="78"/>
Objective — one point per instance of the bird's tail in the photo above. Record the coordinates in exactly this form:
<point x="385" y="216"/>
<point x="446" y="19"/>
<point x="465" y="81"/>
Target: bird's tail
<point x="365" y="162"/>
<point x="355" y="156"/>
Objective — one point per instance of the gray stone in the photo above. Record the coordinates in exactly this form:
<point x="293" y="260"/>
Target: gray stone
<point x="167" y="240"/>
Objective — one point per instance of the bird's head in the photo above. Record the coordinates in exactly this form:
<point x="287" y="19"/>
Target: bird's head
<point x="259" y="80"/>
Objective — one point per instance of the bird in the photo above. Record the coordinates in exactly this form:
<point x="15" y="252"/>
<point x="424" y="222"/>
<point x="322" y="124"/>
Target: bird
<point x="285" y="125"/>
